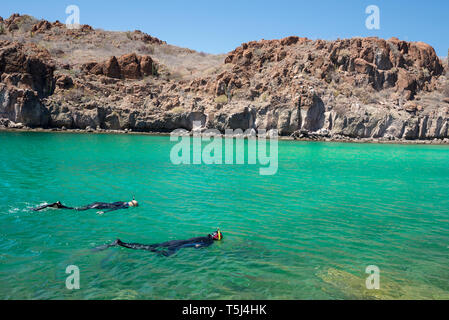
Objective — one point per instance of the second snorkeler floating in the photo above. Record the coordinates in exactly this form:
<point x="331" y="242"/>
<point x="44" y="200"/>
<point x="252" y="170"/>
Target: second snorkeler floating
<point x="96" y="205"/>
<point x="169" y="247"/>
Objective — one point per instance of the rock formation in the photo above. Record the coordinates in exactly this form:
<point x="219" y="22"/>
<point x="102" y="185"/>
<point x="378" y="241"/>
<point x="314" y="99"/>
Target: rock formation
<point x="25" y="80"/>
<point x="128" y="66"/>
<point x="350" y="88"/>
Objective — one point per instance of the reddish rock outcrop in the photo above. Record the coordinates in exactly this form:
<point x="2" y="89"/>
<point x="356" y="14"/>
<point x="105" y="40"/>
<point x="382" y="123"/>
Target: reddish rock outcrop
<point x="11" y="23"/>
<point x="128" y="66"/>
<point x="112" y="68"/>
<point x="64" y="82"/>
<point x="377" y="62"/>
<point x="139" y="35"/>
<point x="41" y="26"/>
<point x="29" y="68"/>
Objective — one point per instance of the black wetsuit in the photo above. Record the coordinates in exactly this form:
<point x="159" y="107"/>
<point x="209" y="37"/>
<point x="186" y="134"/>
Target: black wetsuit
<point x="96" y="205"/>
<point x="165" y="248"/>
<point x="104" y="205"/>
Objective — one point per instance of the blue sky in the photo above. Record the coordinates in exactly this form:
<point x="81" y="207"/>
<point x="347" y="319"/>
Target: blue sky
<point x="220" y="26"/>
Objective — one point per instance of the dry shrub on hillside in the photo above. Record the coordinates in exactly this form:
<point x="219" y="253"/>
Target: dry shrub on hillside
<point x="147" y="49"/>
<point x="446" y="90"/>
<point x="77" y="95"/>
<point x="345" y="89"/>
<point x="223" y="99"/>
<point x="175" y="75"/>
<point x="365" y="95"/>
<point x="25" y="23"/>
<point x="177" y="110"/>
<point x="99" y="45"/>
<point x="56" y="52"/>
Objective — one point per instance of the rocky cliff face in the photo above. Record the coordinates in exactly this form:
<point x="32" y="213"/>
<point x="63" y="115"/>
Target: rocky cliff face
<point x="25" y="80"/>
<point x="356" y="88"/>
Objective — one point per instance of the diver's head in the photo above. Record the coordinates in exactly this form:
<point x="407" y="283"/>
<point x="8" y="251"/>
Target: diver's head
<point x="133" y="203"/>
<point x="217" y="235"/>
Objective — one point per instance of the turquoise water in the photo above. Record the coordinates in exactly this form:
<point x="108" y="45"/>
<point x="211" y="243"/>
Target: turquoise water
<point x="307" y="232"/>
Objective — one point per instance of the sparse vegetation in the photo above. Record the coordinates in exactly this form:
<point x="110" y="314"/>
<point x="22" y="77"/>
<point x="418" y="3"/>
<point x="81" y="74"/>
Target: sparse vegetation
<point x="264" y="97"/>
<point x="154" y="70"/>
<point x="56" y="52"/>
<point x="74" y="94"/>
<point x="146" y="49"/>
<point x="223" y="99"/>
<point x="332" y="76"/>
<point x="446" y="90"/>
<point x="25" y="23"/>
<point x="345" y="53"/>
<point x="365" y="96"/>
<point x="174" y="75"/>
<point x="169" y="49"/>
<point x="426" y="73"/>
<point x="258" y="52"/>
<point x="177" y="110"/>
<point x="101" y="45"/>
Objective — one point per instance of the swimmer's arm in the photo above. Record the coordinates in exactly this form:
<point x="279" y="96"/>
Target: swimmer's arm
<point x="113" y="209"/>
<point x="193" y="245"/>
<point x="43" y="207"/>
<point x="202" y="245"/>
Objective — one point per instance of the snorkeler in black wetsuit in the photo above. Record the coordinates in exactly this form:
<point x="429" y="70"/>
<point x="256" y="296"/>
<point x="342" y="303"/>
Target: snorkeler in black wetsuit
<point x="96" y="205"/>
<point x="104" y="205"/>
<point x="170" y="247"/>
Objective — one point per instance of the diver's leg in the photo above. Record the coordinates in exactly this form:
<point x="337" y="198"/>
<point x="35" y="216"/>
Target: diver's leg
<point x="44" y="206"/>
<point x="137" y="246"/>
<point x="54" y="205"/>
<point x="105" y="246"/>
<point x="65" y="207"/>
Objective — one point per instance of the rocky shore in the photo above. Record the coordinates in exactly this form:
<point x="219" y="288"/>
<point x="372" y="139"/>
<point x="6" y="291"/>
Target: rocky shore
<point x="444" y="141"/>
<point x="85" y="80"/>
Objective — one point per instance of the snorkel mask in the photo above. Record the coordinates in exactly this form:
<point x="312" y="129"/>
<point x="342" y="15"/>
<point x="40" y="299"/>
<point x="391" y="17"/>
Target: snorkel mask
<point x="134" y="203"/>
<point x="217" y="235"/>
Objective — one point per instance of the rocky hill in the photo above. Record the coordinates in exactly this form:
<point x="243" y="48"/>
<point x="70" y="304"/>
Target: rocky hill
<point x="54" y="77"/>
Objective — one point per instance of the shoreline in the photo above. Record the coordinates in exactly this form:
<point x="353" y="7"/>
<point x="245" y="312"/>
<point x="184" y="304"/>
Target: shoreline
<point x="443" y="141"/>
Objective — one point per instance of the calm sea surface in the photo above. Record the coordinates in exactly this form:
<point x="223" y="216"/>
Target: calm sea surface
<point x="307" y="232"/>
